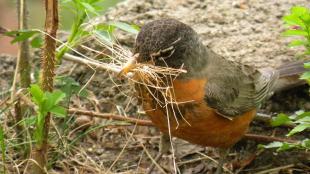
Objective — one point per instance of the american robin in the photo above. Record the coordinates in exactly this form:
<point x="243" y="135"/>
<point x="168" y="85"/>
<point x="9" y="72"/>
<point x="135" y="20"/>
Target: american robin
<point x="213" y="102"/>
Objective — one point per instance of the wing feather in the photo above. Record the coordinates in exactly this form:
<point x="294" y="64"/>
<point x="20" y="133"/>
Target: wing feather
<point x="234" y="89"/>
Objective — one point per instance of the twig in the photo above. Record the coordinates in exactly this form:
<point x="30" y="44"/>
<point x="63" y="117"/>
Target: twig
<point x="276" y="169"/>
<point x="4" y="101"/>
<point x="91" y="63"/>
<point x="264" y="138"/>
<point x="111" y="116"/>
<point x="3" y="30"/>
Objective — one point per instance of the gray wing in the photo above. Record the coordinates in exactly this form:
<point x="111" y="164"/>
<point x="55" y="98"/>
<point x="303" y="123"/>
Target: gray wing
<point x="234" y="89"/>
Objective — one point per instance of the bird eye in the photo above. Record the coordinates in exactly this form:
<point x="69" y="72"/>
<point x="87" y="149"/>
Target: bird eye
<point x="163" y="54"/>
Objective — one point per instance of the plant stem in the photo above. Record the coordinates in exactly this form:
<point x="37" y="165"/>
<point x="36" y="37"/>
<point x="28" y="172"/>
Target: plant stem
<point x="74" y="31"/>
<point x="22" y="67"/>
<point x="23" y="52"/>
<point x="39" y="153"/>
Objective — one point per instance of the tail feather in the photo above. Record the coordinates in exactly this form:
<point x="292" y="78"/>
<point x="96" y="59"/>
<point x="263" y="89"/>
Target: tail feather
<point x="291" y="69"/>
<point x="289" y="76"/>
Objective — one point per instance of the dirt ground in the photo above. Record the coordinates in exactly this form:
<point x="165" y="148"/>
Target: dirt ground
<point x="245" y="31"/>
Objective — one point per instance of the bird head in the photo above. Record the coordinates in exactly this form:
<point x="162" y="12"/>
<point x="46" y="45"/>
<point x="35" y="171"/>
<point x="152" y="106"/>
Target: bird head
<point x="167" y="43"/>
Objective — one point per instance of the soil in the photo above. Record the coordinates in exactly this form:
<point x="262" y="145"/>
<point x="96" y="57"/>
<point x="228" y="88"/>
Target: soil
<point x="245" y="31"/>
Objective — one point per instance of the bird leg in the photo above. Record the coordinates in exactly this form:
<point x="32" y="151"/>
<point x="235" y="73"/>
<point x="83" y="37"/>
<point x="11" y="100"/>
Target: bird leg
<point x="223" y="154"/>
<point x="164" y="146"/>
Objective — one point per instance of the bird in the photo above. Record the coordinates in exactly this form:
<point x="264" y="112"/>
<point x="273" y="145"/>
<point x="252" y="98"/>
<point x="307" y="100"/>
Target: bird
<point x="215" y="100"/>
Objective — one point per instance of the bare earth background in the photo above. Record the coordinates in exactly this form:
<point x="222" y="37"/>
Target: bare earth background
<point x="245" y="31"/>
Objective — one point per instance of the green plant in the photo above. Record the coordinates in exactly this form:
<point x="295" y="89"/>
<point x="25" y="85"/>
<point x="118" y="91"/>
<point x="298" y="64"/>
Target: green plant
<point x="82" y="10"/>
<point x="298" y="22"/>
<point x="34" y="36"/>
<point x="301" y="122"/>
<point x="45" y="102"/>
<point x="70" y="87"/>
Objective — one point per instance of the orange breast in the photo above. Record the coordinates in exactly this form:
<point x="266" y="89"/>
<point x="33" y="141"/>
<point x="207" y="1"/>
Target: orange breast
<point x="203" y="125"/>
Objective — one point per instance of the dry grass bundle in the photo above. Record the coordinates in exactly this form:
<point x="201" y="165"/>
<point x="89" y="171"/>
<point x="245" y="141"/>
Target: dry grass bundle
<point x="156" y="79"/>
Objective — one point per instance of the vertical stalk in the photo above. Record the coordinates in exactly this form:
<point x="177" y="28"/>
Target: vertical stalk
<point x="23" y="52"/>
<point x="22" y="65"/>
<point x="39" y="153"/>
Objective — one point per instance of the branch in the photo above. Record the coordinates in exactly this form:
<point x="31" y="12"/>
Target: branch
<point x="111" y="116"/>
<point x="264" y="138"/>
<point x="91" y="63"/>
<point x="3" y="30"/>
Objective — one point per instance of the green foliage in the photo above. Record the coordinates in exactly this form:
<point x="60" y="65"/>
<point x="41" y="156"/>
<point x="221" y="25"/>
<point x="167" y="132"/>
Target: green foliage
<point x="104" y="32"/>
<point x="134" y="29"/>
<point x="34" y="36"/>
<point x="69" y="86"/>
<point x="83" y="10"/>
<point x="302" y="121"/>
<point x="298" y="22"/>
<point x="300" y="118"/>
<point x="281" y="119"/>
<point x="283" y="146"/>
<point x="45" y="102"/>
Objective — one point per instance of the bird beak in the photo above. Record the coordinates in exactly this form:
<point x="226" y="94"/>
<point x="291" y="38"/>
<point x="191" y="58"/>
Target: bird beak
<point x="130" y="65"/>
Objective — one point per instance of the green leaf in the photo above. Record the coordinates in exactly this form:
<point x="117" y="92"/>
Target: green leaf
<point x="53" y="99"/>
<point x="105" y="37"/>
<point x="89" y="8"/>
<point x="303" y="120"/>
<point x="286" y="146"/>
<point x="306" y="143"/>
<point x="37" y="42"/>
<point x="59" y="111"/>
<point x="23" y="35"/>
<point x="37" y="94"/>
<point x="293" y="20"/>
<point x="305" y="75"/>
<point x="299" y="128"/>
<point x="69" y="86"/>
<point x="295" y="33"/>
<point x="303" y="115"/>
<point x="30" y="121"/>
<point x="125" y="27"/>
<point x="275" y="144"/>
<point x="280" y="146"/>
<point x="297" y="43"/>
<point x="280" y="120"/>
<point x="307" y="65"/>
<point x="299" y="11"/>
